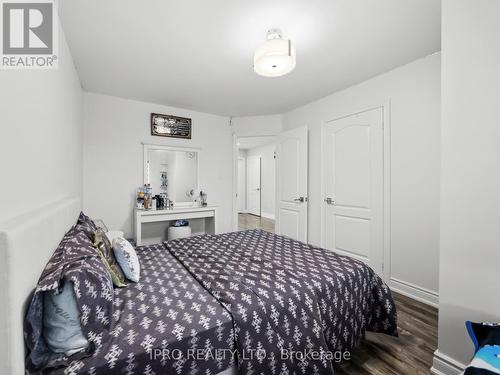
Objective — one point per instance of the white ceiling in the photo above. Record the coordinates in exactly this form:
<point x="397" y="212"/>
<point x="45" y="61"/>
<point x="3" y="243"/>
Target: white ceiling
<point x="198" y="54"/>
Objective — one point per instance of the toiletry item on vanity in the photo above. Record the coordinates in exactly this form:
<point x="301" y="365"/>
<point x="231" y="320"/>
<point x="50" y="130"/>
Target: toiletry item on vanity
<point x="139" y="204"/>
<point x="203" y="199"/>
<point x="157" y="200"/>
<point x="169" y="204"/>
<point x="144" y="197"/>
<point x="161" y="201"/>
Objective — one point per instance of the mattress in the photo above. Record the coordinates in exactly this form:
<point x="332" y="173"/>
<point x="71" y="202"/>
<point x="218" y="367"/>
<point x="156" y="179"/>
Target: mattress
<point x="297" y="308"/>
<point x="264" y="303"/>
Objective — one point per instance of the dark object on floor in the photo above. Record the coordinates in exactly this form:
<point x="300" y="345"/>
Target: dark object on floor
<point x="486" y="339"/>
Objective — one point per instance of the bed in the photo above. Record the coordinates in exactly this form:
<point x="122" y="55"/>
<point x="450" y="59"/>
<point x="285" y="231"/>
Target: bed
<point x="263" y="302"/>
<point x="303" y="307"/>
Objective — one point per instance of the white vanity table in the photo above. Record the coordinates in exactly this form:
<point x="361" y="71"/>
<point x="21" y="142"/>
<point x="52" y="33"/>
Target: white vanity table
<point x="208" y="213"/>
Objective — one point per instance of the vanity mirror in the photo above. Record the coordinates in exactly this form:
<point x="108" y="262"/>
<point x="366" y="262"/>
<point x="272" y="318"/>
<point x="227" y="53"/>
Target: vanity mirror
<point x="172" y="171"/>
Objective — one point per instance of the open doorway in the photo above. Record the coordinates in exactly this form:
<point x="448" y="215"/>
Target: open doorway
<point x="256" y="182"/>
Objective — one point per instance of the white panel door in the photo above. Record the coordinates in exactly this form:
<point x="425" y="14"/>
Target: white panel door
<point x="253" y="185"/>
<point x="353" y="186"/>
<point x="242" y="196"/>
<point x="291" y="184"/>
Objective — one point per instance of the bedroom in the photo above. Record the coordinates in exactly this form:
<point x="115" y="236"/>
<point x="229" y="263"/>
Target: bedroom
<point x="383" y="158"/>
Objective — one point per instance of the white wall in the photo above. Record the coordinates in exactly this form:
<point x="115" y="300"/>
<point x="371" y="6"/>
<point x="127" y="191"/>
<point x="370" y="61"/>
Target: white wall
<point x="257" y="125"/>
<point x="41" y="136"/>
<point x="414" y="94"/>
<point x="268" y="178"/>
<point x="470" y="174"/>
<point x="113" y="167"/>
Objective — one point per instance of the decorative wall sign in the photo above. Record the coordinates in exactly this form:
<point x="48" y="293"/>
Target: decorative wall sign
<point x="170" y="126"/>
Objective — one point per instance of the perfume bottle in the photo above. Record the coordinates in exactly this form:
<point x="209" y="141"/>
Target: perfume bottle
<point x="203" y="199"/>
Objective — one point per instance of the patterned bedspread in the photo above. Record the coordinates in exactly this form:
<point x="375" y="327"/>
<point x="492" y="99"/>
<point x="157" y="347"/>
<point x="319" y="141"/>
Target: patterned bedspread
<point x="295" y="307"/>
<point x="167" y="323"/>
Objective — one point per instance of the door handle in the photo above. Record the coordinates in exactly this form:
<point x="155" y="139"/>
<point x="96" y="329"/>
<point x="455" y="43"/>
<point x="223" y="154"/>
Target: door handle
<point x="330" y="201"/>
<point x="300" y="199"/>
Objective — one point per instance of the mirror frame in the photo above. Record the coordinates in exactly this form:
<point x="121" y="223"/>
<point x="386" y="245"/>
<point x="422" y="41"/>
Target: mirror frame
<point x="149" y="147"/>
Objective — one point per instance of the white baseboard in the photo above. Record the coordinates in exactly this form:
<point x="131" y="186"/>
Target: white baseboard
<point x="420" y="294"/>
<point x="445" y="365"/>
<point x="267" y="215"/>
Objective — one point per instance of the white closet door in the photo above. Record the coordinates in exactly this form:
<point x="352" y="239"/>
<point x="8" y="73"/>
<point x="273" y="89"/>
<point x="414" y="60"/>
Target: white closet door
<point x="291" y="184"/>
<point x="353" y="186"/>
<point x="253" y="185"/>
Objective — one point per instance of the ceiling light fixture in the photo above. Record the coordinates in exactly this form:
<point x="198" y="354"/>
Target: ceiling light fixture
<point x="276" y="57"/>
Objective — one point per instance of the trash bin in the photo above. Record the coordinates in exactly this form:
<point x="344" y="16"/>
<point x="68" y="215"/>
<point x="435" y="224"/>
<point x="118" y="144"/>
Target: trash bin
<point x="179" y="232"/>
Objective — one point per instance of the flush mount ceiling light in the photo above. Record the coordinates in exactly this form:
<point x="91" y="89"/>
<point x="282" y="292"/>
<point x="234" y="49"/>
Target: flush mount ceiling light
<point x="276" y="57"/>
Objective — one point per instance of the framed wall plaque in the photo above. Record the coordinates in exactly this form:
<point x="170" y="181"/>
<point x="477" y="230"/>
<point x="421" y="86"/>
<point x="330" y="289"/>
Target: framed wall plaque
<point x="170" y="126"/>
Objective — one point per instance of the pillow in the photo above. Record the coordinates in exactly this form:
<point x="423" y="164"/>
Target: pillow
<point x="127" y="258"/>
<point x="486" y="339"/>
<point x="112" y="234"/>
<point x="103" y="246"/>
<point x="86" y="225"/>
<point x="61" y="322"/>
<point x="76" y="263"/>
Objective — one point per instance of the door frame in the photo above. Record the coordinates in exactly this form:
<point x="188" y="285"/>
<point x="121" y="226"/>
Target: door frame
<point x="260" y="184"/>
<point x="386" y="220"/>
<point x="245" y="186"/>
<point x="235" y="173"/>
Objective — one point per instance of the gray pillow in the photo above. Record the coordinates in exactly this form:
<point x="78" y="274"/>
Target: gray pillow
<point x="105" y="250"/>
<point x="127" y="258"/>
<point x="61" y="322"/>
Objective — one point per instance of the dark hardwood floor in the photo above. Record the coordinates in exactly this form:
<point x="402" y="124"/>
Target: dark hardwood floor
<point x="247" y="221"/>
<point x="409" y="354"/>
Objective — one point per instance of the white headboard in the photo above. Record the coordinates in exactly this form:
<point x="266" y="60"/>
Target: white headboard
<point x="26" y="244"/>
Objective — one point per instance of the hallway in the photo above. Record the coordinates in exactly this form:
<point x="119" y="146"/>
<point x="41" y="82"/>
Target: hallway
<point x="248" y="221"/>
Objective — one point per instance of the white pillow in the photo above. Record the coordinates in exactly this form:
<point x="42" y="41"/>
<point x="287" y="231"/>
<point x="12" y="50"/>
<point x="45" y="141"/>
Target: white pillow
<point x="127" y="258"/>
<point x="61" y="322"/>
<point x="112" y="234"/>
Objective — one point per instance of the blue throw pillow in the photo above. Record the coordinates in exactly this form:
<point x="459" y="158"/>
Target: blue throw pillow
<point x="61" y="322"/>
